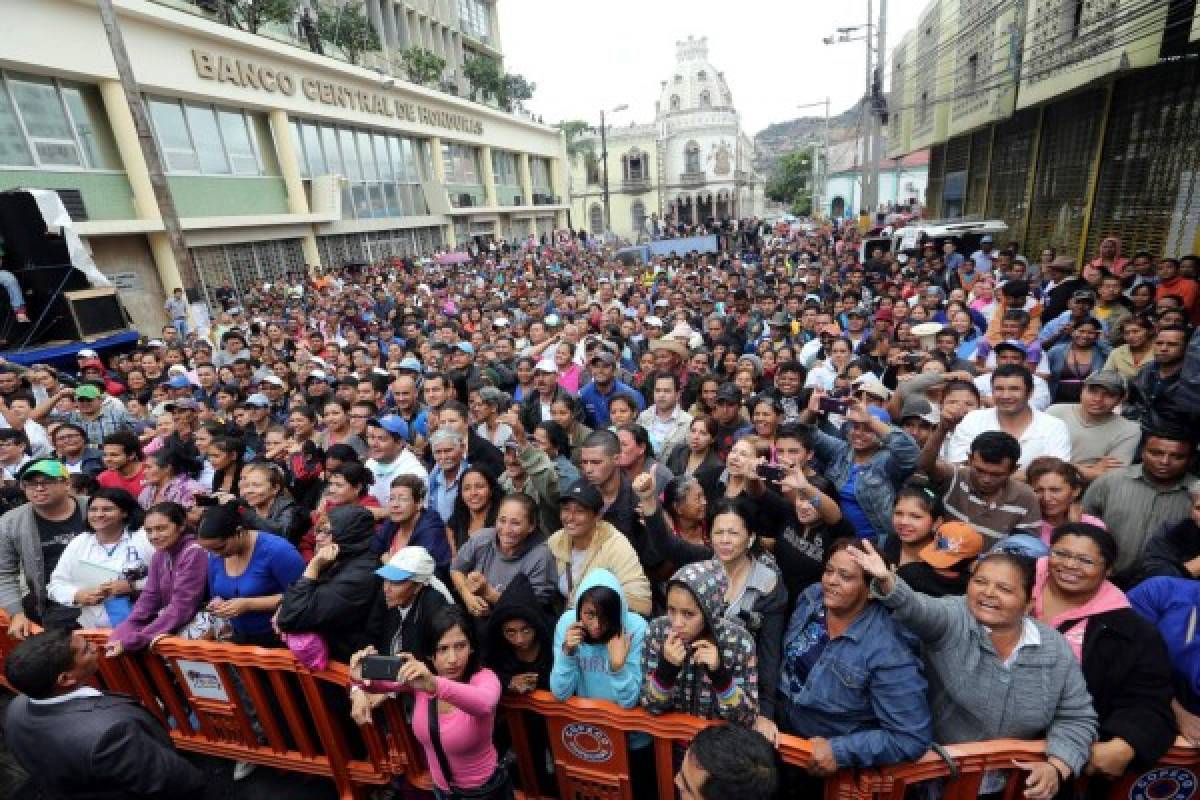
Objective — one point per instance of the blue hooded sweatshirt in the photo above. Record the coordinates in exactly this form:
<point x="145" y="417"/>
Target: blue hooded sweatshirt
<point x="587" y="673"/>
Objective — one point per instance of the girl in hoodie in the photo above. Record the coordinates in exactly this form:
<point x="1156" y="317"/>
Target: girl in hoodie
<point x="598" y="654"/>
<point x="695" y="660"/>
<point x="1124" y="659"/>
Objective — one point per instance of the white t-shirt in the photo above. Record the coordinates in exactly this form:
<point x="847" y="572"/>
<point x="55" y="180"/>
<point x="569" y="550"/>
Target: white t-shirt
<point x="1045" y="436"/>
<point x="404" y="464"/>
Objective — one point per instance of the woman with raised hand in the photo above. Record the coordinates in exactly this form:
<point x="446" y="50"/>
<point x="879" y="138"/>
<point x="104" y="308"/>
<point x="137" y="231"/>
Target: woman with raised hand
<point x="849" y="681"/>
<point x="996" y="672"/>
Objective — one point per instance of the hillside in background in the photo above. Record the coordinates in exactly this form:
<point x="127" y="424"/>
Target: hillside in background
<point x="781" y="138"/>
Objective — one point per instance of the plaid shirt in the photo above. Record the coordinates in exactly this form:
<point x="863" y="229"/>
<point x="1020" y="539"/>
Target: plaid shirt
<point x="110" y="420"/>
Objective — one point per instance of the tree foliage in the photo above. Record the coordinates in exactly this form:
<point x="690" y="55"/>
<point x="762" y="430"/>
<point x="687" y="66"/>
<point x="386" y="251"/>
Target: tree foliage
<point x="515" y="91"/>
<point x="251" y="15"/>
<point x="573" y="130"/>
<point x="422" y="66"/>
<point x="791" y="181"/>
<point x="485" y="76"/>
<point x="347" y="28"/>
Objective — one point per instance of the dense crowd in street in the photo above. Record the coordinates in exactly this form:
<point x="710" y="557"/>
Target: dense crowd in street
<point x="877" y="500"/>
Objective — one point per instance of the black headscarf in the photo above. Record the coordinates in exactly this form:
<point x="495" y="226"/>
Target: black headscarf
<point x="352" y="527"/>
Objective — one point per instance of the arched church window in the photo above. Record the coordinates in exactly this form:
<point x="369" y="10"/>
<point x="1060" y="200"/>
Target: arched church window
<point x="705" y="99"/>
<point x="674" y="102"/>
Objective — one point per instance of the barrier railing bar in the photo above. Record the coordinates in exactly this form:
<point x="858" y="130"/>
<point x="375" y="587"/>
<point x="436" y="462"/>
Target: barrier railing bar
<point x="296" y="724"/>
<point x="264" y="709"/>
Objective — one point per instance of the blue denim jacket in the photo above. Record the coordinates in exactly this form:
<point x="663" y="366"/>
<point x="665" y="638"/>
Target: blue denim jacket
<point x="884" y="474"/>
<point x="866" y="694"/>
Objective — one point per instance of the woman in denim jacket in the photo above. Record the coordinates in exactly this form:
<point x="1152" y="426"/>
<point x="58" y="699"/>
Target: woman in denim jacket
<point x="867" y="467"/>
<point x="850" y="680"/>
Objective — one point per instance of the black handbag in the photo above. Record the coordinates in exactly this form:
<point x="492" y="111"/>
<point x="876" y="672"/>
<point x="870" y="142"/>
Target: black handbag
<point x="497" y="787"/>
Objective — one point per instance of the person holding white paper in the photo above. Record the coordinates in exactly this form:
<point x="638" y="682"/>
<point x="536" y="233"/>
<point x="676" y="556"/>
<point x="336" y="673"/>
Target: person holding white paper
<point x="103" y="567"/>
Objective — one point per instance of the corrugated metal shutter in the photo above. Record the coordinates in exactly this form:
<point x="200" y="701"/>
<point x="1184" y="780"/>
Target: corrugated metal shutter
<point x="1012" y="156"/>
<point x="933" y="189"/>
<point x="1070" y="135"/>
<point x="977" y="177"/>
<point x="1149" y="184"/>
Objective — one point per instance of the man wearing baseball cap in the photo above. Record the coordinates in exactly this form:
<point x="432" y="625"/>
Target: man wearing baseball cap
<point x="604" y="385"/>
<point x="387" y="443"/>
<point x="92" y="415"/>
<point x="586" y="542"/>
<point x="33" y="537"/>
<point x="1101" y="439"/>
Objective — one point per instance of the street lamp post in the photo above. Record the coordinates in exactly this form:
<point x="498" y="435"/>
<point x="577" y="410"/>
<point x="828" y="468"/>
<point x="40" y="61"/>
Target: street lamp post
<point x="819" y="168"/>
<point x="604" y="163"/>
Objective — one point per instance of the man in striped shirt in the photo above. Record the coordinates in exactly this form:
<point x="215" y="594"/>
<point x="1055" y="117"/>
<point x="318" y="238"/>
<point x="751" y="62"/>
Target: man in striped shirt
<point x="984" y="492"/>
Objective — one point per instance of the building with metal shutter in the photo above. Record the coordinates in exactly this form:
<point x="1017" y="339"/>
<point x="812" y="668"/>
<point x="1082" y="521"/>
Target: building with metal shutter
<point x="1085" y="126"/>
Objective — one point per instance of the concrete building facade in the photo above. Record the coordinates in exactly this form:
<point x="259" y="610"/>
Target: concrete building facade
<point x="693" y="164"/>
<point x="1072" y="120"/>
<point x="277" y="158"/>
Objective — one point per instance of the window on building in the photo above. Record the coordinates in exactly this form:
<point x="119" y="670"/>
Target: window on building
<point x="1075" y="21"/>
<point x="635" y="167"/>
<point x="47" y="123"/>
<point x="596" y="218"/>
<point x="705" y="99"/>
<point x="972" y="70"/>
<point x="539" y="174"/>
<point x="173" y="136"/>
<point x="701" y="75"/>
<point x="679" y="79"/>
<point x="692" y="157"/>
<point x="638" y="212"/>
<point x="923" y="107"/>
<point x="310" y="134"/>
<point x="674" y="102"/>
<point x="592" y="167"/>
<point x="201" y="138"/>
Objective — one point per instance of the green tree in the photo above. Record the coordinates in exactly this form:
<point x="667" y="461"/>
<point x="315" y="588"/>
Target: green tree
<point x="251" y="15"/>
<point x="573" y="130"/>
<point x="791" y="181"/>
<point x="515" y="91"/>
<point x="485" y="77"/>
<point x="347" y="28"/>
<point x="422" y="66"/>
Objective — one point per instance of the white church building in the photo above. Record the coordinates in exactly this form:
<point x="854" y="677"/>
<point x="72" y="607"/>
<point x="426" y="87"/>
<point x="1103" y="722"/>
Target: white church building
<point x="693" y="164"/>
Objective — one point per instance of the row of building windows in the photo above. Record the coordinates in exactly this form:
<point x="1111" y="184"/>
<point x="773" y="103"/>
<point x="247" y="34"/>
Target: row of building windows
<point x="637" y="214"/>
<point x="475" y="19"/>
<point x="206" y="139"/>
<point x="49" y="124"/>
<point x="384" y="170"/>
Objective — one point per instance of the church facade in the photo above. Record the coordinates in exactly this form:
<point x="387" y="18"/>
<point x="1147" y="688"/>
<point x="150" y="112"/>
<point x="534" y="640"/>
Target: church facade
<point x="692" y="165"/>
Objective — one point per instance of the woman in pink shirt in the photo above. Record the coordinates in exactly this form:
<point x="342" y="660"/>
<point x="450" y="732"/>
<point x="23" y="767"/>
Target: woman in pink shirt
<point x="570" y="374"/>
<point x="449" y="685"/>
<point x="1058" y="486"/>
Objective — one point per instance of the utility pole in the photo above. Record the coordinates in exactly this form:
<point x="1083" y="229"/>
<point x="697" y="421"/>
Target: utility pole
<point x="154" y="165"/>
<point x="874" y="98"/>
<point x="869" y="120"/>
<point x="604" y="166"/>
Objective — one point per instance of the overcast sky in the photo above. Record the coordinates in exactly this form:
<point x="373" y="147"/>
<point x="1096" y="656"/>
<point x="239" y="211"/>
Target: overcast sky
<point x="588" y="56"/>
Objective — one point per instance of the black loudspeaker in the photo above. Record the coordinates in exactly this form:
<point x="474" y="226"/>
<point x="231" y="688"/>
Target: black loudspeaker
<point x="96" y="312"/>
<point x="47" y="306"/>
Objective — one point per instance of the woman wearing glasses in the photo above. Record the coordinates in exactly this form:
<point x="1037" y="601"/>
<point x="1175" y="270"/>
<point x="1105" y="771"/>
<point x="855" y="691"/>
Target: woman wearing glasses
<point x="994" y="672"/>
<point x="1124" y="658"/>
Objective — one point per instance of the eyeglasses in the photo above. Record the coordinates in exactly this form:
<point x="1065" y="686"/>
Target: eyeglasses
<point x="42" y="484"/>
<point x="1067" y="557"/>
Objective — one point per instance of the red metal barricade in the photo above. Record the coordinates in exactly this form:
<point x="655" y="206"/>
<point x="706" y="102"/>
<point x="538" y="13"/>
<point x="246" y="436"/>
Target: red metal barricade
<point x="261" y="705"/>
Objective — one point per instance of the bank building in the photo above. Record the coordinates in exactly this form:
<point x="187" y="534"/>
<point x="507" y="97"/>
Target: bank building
<point x="278" y="157"/>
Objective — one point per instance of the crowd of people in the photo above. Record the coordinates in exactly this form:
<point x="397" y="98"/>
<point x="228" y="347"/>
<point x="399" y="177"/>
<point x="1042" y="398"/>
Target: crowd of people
<point x="877" y="500"/>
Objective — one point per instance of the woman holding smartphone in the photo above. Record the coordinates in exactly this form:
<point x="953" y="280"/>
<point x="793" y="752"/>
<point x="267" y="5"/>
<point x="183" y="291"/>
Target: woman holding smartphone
<point x="454" y="711"/>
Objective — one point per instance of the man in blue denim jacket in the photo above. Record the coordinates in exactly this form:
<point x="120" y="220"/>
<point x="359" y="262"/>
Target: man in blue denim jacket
<point x="867" y="467"/>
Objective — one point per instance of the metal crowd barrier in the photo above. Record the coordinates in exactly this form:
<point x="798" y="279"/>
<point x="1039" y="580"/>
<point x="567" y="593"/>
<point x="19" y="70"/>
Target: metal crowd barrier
<point x="260" y="705"/>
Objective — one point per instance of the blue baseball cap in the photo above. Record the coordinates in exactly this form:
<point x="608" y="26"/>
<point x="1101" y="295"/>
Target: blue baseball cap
<point x="466" y="347"/>
<point x="179" y="382"/>
<point x="1022" y="544"/>
<point x="410" y="363"/>
<point x="394" y="425"/>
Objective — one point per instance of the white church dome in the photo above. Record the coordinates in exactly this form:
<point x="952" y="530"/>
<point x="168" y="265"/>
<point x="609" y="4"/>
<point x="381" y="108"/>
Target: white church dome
<point x="695" y="84"/>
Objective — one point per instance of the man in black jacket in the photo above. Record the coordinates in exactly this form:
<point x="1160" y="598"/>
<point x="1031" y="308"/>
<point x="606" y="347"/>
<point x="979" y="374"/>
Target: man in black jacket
<point x="79" y="742"/>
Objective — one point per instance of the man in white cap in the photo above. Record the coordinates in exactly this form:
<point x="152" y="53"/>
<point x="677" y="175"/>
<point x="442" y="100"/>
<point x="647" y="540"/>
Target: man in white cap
<point x="536" y="406"/>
